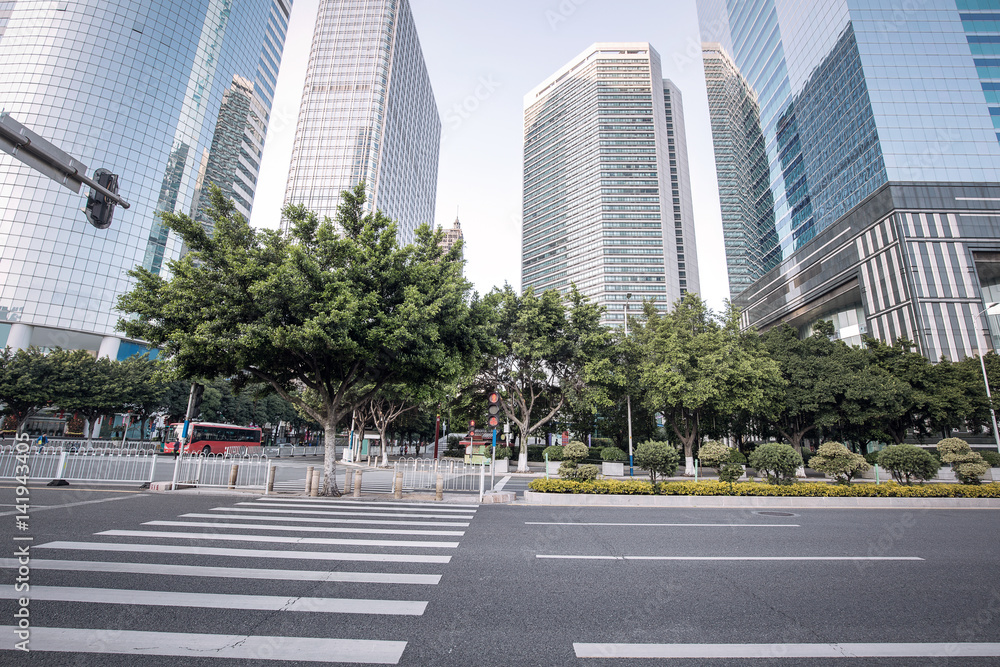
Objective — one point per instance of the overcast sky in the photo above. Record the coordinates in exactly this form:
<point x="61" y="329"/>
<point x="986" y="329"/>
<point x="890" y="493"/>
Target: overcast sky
<point x="482" y="58"/>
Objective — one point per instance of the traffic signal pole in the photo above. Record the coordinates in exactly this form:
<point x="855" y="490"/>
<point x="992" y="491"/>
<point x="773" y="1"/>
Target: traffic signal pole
<point x="46" y="158"/>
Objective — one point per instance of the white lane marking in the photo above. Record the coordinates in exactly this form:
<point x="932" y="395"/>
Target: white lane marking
<point x="309" y="529"/>
<point x="369" y="511"/>
<point x="278" y="539"/>
<point x="331" y="501"/>
<point x="82" y="502"/>
<point x="502" y="483"/>
<point x="190" y="645"/>
<point x="281" y="554"/>
<point x="306" y="519"/>
<point x="219" y="600"/>
<point x="226" y="572"/>
<point x="846" y="650"/>
<point x="674" y="525"/>
<point x="333" y="513"/>
<point x="564" y="557"/>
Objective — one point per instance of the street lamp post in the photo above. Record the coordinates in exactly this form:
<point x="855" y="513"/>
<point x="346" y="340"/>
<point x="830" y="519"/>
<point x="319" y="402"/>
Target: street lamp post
<point x="628" y="400"/>
<point x="990" y="309"/>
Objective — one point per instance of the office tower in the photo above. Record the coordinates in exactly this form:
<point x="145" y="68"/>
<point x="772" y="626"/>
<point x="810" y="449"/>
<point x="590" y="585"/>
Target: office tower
<point x="867" y="139"/>
<point x="368" y="115"/>
<point x="172" y="96"/>
<point x="607" y="195"/>
<point x="6" y="8"/>
<point x="452" y="235"/>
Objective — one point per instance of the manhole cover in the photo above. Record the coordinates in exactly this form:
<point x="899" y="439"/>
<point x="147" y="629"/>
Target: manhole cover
<point x="775" y="513"/>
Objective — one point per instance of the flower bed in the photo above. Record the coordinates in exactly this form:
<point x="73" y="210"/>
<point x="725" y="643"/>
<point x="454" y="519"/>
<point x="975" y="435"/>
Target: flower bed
<point x="802" y="489"/>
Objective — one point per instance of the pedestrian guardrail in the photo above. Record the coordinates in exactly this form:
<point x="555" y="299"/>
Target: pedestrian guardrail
<point x="82" y="466"/>
<point x="222" y="470"/>
<point x="421" y="474"/>
<point x="280" y="451"/>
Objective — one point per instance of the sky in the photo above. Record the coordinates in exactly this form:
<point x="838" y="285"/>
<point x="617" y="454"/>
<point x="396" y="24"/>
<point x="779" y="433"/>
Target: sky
<point x="483" y="57"/>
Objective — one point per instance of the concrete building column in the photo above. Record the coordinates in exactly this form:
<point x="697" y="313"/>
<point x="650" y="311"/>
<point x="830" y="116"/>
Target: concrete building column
<point x="109" y="348"/>
<point x="20" y="336"/>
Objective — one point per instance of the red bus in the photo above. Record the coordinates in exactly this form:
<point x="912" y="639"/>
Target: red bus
<point x="208" y="438"/>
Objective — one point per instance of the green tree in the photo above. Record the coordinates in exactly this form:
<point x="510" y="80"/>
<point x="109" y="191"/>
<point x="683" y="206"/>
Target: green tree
<point x="31" y="380"/>
<point x="547" y="353"/>
<point x="835" y="459"/>
<point x="142" y="388"/>
<point x="908" y="462"/>
<point x="93" y="390"/>
<point x="776" y="461"/>
<point x="659" y="458"/>
<point x="694" y="364"/>
<point x="814" y="384"/>
<point x="329" y="307"/>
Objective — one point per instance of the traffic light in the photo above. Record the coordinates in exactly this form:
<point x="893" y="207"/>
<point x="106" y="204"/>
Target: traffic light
<point x="99" y="208"/>
<point x="493" y="402"/>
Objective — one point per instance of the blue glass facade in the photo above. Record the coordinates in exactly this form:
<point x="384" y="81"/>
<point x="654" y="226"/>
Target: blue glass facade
<point x="852" y="94"/>
<point x="146" y="103"/>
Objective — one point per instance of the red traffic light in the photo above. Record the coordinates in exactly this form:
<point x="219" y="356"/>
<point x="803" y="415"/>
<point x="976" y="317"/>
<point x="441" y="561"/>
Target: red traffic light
<point x="472" y="424"/>
<point x="494" y="398"/>
<point x="493" y="421"/>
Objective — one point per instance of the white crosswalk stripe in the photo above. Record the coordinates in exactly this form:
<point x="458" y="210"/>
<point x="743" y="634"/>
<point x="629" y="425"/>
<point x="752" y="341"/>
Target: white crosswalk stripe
<point x="289" y="533"/>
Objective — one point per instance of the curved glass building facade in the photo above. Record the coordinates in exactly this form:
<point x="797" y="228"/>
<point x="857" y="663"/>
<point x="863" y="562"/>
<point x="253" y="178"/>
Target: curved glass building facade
<point x="859" y="166"/>
<point x="171" y="95"/>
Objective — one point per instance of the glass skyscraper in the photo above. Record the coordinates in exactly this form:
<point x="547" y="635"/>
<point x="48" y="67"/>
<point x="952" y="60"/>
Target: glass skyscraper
<point x="858" y="159"/>
<point x="171" y="95"/>
<point x="607" y="194"/>
<point x="368" y="115"/>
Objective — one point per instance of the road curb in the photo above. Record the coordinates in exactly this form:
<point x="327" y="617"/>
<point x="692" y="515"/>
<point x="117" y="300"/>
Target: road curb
<point x="603" y="500"/>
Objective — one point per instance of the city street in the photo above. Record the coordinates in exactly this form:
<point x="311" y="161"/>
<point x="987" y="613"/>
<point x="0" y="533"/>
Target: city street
<point x="120" y="577"/>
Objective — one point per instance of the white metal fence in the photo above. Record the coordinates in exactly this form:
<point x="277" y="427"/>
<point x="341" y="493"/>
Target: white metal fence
<point x="77" y="444"/>
<point x="84" y="466"/>
<point x="421" y="474"/>
<point x="217" y="470"/>
<point x="280" y="451"/>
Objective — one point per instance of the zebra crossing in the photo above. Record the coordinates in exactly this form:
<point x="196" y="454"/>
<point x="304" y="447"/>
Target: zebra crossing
<point x="298" y="579"/>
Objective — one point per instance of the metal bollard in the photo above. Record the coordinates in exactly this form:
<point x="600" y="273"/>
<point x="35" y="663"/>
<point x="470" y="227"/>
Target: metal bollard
<point x="357" y="484"/>
<point x="439" y="487"/>
<point x="270" y="479"/>
<point x="309" y="479"/>
<point x="315" y="484"/>
<point x="233" y="473"/>
<point x="398" y="486"/>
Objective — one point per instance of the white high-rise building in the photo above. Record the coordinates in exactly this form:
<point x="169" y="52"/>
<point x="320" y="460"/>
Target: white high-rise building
<point x="368" y="115"/>
<point x="607" y="195"/>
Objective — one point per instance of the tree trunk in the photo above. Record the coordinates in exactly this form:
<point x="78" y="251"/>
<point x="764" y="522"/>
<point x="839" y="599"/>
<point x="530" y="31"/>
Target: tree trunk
<point x="330" y="461"/>
<point x="522" y="456"/>
<point x="385" y="454"/>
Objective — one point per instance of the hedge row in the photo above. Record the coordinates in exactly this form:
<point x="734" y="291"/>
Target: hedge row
<point x="804" y="489"/>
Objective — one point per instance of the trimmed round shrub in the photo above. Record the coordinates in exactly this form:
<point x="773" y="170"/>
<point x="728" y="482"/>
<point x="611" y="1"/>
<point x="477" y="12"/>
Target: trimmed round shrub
<point x="993" y="458"/>
<point x="503" y="452"/>
<point x="776" y="461"/>
<point x="713" y="454"/>
<point x="602" y="442"/>
<point x="578" y="473"/>
<point x="730" y="472"/>
<point x="554" y="453"/>
<point x="872" y="458"/>
<point x="736" y="456"/>
<point x="839" y="462"/>
<point x="575" y="451"/>
<point x="659" y="458"/>
<point x="949" y="448"/>
<point x="613" y="454"/>
<point x="907" y="462"/>
<point x="806" y="456"/>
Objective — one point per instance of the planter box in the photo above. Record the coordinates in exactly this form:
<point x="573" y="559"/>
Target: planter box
<point x="502" y="466"/>
<point x="613" y="469"/>
<point x="552" y="467"/>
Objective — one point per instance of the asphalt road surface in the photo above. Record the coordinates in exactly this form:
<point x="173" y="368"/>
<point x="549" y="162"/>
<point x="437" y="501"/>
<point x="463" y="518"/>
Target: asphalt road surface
<point x="119" y="577"/>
